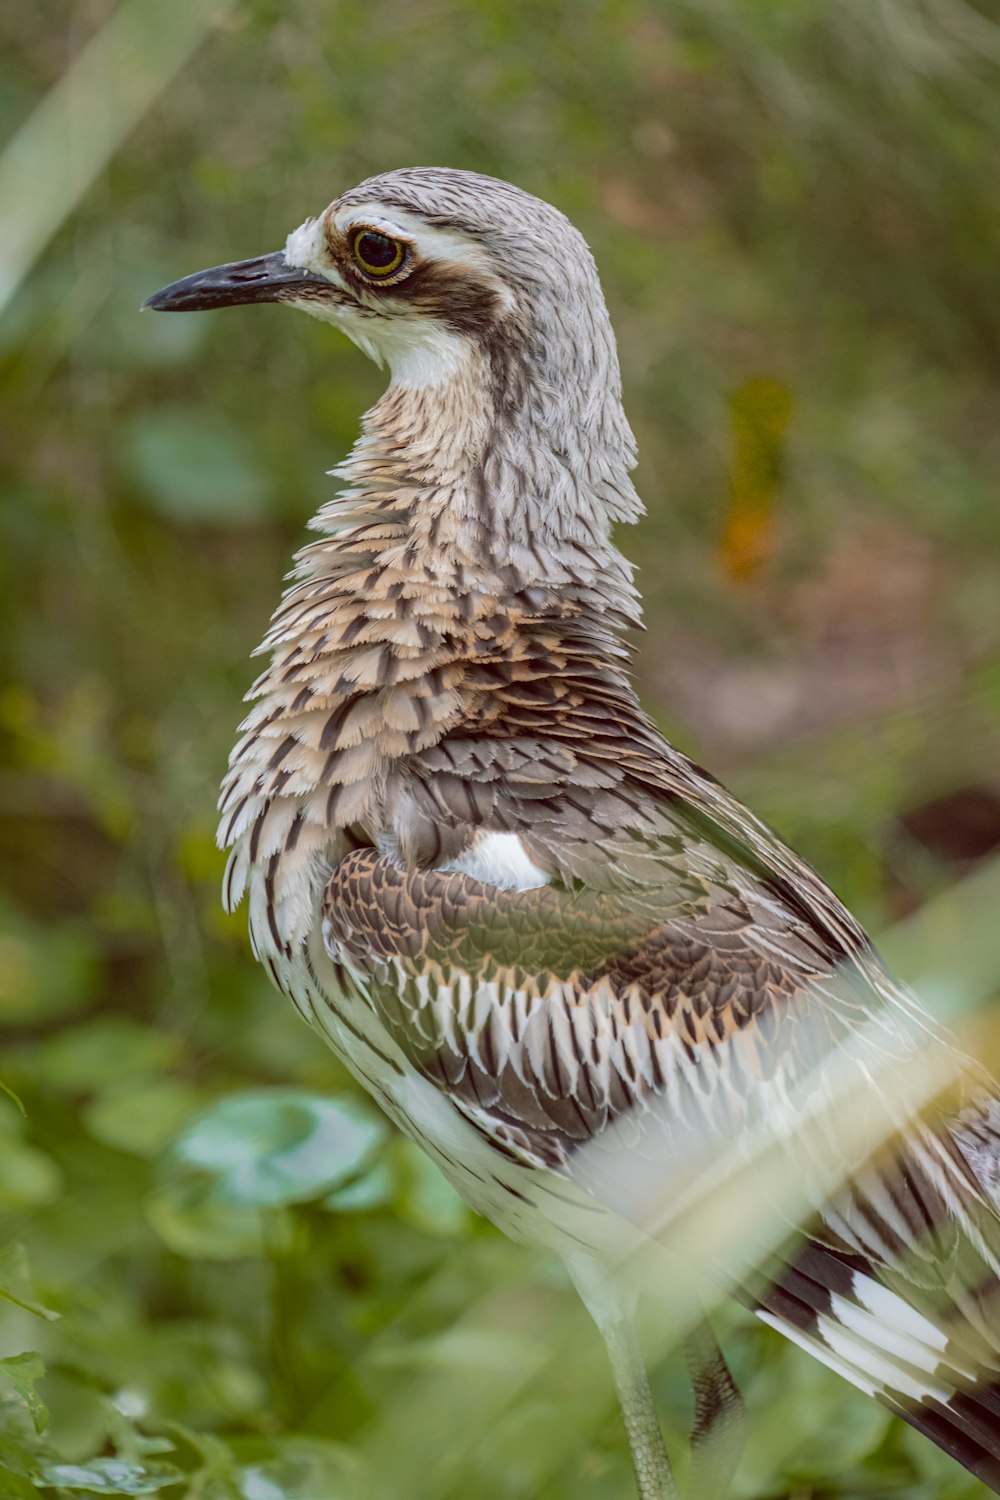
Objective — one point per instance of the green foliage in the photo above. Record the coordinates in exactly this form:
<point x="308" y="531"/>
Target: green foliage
<point x="22" y="1371"/>
<point x="252" y="1154"/>
<point x="193" y="467"/>
<point x="111" y="1476"/>
<point x="238" y="1282"/>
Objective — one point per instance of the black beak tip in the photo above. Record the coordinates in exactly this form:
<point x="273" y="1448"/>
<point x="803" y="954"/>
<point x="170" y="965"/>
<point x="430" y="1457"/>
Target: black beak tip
<point x="205" y="289"/>
<point x="268" y="278"/>
<point x="179" y="296"/>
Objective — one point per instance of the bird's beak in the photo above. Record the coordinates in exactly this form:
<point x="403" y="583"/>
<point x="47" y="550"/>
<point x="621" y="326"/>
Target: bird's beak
<point x="269" y="278"/>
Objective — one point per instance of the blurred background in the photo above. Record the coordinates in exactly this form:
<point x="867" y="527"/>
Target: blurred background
<point x="237" y="1282"/>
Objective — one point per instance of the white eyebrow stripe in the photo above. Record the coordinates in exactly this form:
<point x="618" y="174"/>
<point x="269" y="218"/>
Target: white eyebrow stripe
<point x="372" y="218"/>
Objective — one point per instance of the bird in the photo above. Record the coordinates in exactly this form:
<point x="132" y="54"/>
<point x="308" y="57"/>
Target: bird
<point x="560" y="955"/>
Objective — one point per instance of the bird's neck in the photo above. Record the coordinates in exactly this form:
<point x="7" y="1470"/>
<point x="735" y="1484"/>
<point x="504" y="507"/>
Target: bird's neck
<point x="451" y="516"/>
<point x="488" y="473"/>
<point x="440" y="575"/>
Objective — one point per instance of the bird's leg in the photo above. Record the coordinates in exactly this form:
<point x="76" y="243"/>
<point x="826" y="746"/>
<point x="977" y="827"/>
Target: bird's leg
<point x="719" y="1431"/>
<point x="649" y="1455"/>
<point x="612" y="1308"/>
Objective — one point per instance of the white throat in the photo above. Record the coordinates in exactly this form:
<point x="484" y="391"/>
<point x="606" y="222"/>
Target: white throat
<point x="419" y="351"/>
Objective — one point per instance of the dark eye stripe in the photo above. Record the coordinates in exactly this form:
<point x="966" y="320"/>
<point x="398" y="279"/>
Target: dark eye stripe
<point x="377" y="254"/>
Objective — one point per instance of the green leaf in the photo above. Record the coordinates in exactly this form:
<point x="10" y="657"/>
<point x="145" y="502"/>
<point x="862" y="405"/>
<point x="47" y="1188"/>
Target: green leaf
<point x="100" y="1053"/>
<point x="38" y="1308"/>
<point x="125" y="1437"/>
<point x="276" y="1147"/>
<point x="141" y="1119"/>
<point x="371" y="1190"/>
<point x="215" y="1455"/>
<point x="28" y="1177"/>
<point x="19" y="1463"/>
<point x="15" y="1281"/>
<point x="22" y="1370"/>
<point x="228" y="1175"/>
<point x="304" y="1469"/>
<point x="15" y="1486"/>
<point x="194" y="1225"/>
<point x="6" y="1089"/>
<point x="112" y="1476"/>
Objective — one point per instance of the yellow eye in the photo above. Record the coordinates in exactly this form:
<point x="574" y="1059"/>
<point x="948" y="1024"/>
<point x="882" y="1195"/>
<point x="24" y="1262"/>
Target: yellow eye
<point x="377" y="254"/>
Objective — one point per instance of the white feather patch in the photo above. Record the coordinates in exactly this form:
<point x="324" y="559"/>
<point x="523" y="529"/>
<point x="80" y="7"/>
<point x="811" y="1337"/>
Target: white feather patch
<point x="819" y="1350"/>
<point x="855" y="1350"/>
<point x="891" y="1310"/>
<point x="887" y="1336"/>
<point x="306" y="247"/>
<point x="499" y="859"/>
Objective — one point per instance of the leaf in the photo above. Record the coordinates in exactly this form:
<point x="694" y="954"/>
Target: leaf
<point x="15" y="1487"/>
<point x="112" y="1476"/>
<point x="38" y="1308"/>
<point x="28" y="1177"/>
<point x="227" y="1175"/>
<point x="125" y="1437"/>
<point x="100" y="1053"/>
<point x="6" y="1089"/>
<point x="277" y="1147"/>
<point x="304" y="1469"/>
<point x="18" y="1465"/>
<point x="14" y="1280"/>
<point x="141" y="1119"/>
<point x="194" y="1225"/>
<point x="65" y="142"/>
<point x="215" y="1455"/>
<point x="371" y="1190"/>
<point x="22" y="1370"/>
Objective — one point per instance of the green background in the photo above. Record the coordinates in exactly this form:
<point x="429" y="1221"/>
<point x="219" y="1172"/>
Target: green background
<point x="260" y="1292"/>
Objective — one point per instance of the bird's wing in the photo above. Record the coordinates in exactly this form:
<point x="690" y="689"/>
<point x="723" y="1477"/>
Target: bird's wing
<point x="560" y="1010"/>
<point x="676" y="988"/>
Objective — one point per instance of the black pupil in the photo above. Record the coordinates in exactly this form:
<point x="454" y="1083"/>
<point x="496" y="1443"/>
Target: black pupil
<point x="376" y="250"/>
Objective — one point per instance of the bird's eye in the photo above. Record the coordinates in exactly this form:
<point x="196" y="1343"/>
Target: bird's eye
<point x="377" y="254"/>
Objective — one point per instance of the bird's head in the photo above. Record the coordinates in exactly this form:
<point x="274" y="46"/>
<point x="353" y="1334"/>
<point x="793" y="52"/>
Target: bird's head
<point x="452" y="277"/>
<point x="420" y="264"/>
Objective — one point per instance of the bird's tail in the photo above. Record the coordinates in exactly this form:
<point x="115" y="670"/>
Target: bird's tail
<point x="897" y="1285"/>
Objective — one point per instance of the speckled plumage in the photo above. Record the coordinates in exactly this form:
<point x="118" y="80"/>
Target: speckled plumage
<point x="652" y="966"/>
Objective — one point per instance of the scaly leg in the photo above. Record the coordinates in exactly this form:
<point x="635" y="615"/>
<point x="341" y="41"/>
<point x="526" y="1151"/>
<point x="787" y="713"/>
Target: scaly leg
<point x="612" y="1308"/>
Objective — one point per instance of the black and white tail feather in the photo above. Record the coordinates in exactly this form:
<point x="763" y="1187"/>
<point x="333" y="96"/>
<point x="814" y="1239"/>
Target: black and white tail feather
<point x="897" y="1286"/>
